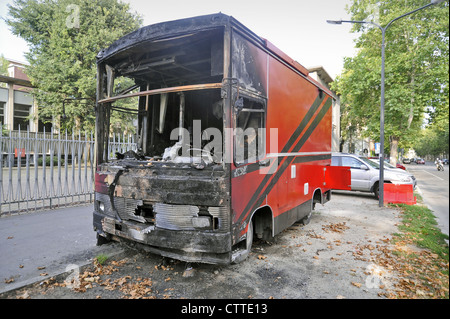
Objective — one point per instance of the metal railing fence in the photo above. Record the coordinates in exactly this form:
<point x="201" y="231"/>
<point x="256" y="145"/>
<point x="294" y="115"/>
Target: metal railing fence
<point x="47" y="170"/>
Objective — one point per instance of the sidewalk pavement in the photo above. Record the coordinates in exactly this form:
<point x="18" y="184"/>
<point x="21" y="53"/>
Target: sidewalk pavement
<point x="36" y="246"/>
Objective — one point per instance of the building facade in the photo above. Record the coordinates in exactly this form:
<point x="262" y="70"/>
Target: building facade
<point x="319" y="74"/>
<point x="18" y="108"/>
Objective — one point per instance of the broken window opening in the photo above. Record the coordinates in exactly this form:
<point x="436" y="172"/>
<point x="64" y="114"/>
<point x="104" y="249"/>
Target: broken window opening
<point x="175" y="84"/>
<point x="181" y="127"/>
<point x="123" y="119"/>
<point x="193" y="127"/>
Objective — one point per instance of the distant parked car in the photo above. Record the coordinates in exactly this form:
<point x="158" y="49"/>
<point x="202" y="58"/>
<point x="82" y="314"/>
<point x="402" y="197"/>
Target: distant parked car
<point x="445" y="161"/>
<point x="406" y="161"/>
<point x="398" y="165"/>
<point x="420" y="161"/>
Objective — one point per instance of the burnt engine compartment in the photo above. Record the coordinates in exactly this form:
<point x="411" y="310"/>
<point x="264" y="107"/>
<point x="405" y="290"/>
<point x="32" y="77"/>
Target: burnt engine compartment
<point x="172" y="209"/>
<point x="166" y="195"/>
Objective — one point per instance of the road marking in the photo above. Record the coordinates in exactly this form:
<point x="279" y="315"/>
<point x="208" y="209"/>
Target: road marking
<point x="433" y="175"/>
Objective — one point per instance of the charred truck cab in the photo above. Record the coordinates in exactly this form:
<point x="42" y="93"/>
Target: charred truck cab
<point x="233" y="140"/>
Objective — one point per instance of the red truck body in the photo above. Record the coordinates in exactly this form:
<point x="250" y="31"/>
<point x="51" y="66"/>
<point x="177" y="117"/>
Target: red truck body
<point x="272" y="127"/>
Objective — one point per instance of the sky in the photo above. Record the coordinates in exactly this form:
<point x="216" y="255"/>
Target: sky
<point x="297" y="27"/>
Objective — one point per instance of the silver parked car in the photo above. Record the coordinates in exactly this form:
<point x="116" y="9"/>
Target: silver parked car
<point x="365" y="173"/>
<point x="391" y="167"/>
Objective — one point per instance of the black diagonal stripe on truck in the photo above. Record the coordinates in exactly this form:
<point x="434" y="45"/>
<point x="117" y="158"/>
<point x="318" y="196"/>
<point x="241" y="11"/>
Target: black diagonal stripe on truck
<point x="287" y="162"/>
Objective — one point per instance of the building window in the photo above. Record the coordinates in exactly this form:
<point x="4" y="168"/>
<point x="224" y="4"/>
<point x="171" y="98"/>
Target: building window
<point x="2" y="113"/>
<point x="44" y="123"/>
<point x="21" y="116"/>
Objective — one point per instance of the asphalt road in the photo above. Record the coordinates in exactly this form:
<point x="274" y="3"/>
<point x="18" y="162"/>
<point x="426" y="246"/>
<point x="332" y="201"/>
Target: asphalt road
<point x="434" y="187"/>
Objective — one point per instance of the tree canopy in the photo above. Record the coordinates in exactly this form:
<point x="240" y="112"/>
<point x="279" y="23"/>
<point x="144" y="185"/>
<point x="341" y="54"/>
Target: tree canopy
<point x="64" y="38"/>
<point x="433" y="141"/>
<point x="3" y="65"/>
<point x="416" y="70"/>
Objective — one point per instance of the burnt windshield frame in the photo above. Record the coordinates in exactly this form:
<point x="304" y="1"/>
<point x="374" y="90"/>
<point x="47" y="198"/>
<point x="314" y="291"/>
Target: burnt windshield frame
<point x="242" y="106"/>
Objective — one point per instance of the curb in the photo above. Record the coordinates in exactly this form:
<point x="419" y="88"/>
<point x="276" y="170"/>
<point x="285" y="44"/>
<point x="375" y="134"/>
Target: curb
<point x="432" y="210"/>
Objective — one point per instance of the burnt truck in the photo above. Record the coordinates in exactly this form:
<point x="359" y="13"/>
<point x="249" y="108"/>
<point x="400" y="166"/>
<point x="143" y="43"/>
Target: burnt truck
<point x="233" y="141"/>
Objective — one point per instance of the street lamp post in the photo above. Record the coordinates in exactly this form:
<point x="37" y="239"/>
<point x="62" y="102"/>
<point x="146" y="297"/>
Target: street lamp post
<point x="383" y="33"/>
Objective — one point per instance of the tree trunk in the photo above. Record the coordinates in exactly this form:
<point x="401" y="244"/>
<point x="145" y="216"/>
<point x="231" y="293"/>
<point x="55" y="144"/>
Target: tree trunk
<point x="394" y="149"/>
<point x="411" y="109"/>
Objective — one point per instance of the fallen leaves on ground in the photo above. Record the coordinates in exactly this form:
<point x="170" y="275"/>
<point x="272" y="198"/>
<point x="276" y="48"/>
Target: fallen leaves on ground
<point x="25" y="295"/>
<point x="136" y="289"/>
<point x="313" y="234"/>
<point x="356" y="284"/>
<point x="337" y="228"/>
<point x="418" y="271"/>
<point x="132" y="289"/>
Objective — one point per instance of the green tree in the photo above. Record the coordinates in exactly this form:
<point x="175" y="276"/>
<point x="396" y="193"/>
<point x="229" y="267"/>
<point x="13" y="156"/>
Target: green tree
<point x="64" y="37"/>
<point x="3" y="71"/>
<point x="416" y="69"/>
<point x="3" y="65"/>
<point x="434" y="139"/>
<point x="3" y="68"/>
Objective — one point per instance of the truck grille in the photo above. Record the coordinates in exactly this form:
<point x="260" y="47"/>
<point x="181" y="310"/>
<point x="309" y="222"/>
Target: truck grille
<point x="166" y="216"/>
<point x="179" y="217"/>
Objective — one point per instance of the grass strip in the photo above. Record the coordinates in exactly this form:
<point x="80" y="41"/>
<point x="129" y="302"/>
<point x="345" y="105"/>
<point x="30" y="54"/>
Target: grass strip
<point x="422" y="255"/>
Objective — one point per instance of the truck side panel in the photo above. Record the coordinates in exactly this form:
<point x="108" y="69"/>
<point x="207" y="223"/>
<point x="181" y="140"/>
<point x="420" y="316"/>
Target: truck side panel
<point x="302" y="114"/>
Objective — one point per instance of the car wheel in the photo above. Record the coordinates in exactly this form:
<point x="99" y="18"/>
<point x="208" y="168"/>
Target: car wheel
<point x="376" y="190"/>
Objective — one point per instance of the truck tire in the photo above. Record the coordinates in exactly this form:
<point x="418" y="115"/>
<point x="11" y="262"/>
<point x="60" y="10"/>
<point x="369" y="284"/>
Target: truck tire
<point x="305" y="220"/>
<point x="102" y="240"/>
<point x="242" y="253"/>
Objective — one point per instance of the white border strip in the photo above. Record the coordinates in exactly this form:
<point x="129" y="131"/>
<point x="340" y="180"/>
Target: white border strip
<point x="297" y="154"/>
<point x="433" y="175"/>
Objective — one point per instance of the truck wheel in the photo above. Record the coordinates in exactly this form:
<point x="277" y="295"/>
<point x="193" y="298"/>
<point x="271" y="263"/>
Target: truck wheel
<point x="241" y="253"/>
<point x="102" y="240"/>
<point x="305" y="220"/>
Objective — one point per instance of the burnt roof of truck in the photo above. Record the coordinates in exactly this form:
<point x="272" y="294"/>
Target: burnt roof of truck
<point x="167" y="29"/>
